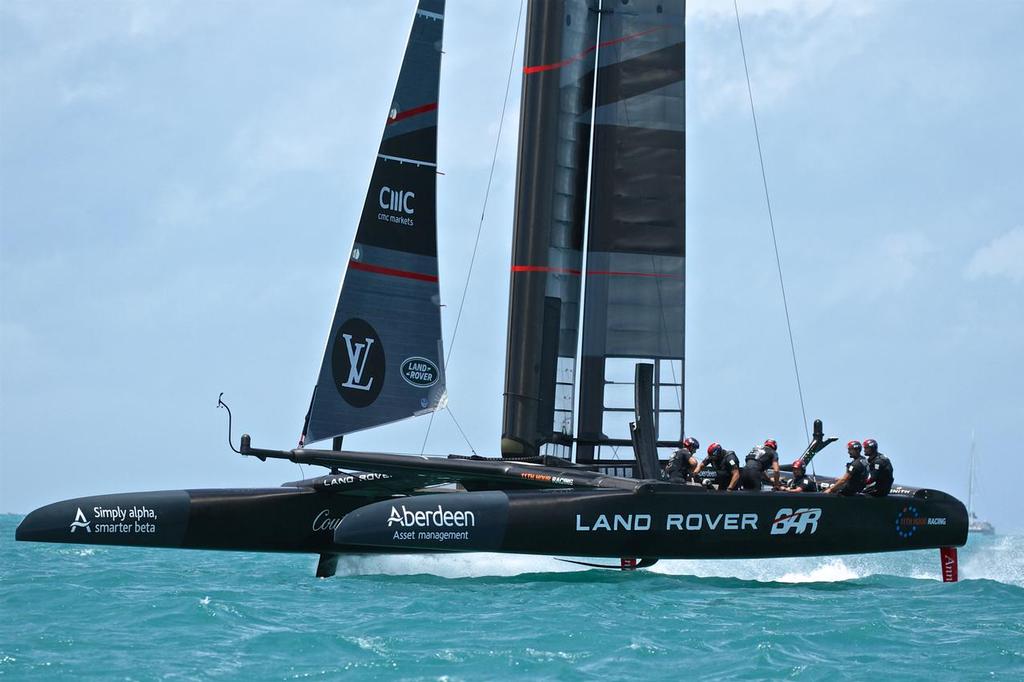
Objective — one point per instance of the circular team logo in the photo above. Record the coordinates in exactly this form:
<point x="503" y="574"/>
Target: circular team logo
<point x="420" y="372"/>
<point x="907" y="521"/>
<point x="357" y="362"/>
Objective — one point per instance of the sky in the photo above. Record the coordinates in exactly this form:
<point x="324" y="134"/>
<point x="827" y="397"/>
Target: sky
<point x="180" y="185"/>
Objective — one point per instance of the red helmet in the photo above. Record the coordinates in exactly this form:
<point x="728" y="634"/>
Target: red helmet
<point x="854" y="445"/>
<point x="799" y="464"/>
<point x="714" y="449"/>
<point x="770" y="443"/>
<point x="691" y="444"/>
<point x="870" y="446"/>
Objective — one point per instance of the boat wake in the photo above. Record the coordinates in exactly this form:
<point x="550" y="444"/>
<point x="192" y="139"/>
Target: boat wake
<point x="999" y="559"/>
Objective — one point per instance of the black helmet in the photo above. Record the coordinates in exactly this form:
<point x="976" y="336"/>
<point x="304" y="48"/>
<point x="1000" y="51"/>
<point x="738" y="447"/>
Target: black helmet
<point x="714" y="449"/>
<point x="871" y="447"/>
<point x="691" y="444"/>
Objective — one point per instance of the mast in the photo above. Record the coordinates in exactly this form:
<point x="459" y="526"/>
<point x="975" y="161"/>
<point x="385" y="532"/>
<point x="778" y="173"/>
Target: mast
<point x="384" y="360"/>
<point x="551" y="187"/>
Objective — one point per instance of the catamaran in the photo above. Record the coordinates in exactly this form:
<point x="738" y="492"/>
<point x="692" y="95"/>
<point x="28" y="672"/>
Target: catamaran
<point x="596" y="302"/>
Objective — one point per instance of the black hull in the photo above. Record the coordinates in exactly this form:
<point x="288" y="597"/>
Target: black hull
<point x="660" y="521"/>
<point x="253" y="520"/>
<point x="667" y="522"/>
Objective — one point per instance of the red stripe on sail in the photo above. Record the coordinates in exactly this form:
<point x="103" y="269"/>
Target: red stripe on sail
<point x="409" y="113"/>
<point x="381" y="270"/>
<point x="575" y="58"/>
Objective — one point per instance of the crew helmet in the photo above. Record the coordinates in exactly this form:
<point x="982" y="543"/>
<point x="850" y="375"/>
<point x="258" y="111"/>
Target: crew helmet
<point x="799" y="465"/>
<point x="871" y="446"/>
<point x="691" y="444"/>
<point x="714" y="449"/>
<point x="853" y="445"/>
<point x="770" y="443"/>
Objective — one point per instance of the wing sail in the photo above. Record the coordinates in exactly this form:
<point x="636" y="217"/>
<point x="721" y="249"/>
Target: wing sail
<point x="636" y="235"/>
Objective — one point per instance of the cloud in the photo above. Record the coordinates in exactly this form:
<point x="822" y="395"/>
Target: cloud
<point x="1001" y="257"/>
<point x="788" y="43"/>
<point x="900" y="256"/>
<point x="884" y="267"/>
<point x="719" y="9"/>
<point x="304" y="131"/>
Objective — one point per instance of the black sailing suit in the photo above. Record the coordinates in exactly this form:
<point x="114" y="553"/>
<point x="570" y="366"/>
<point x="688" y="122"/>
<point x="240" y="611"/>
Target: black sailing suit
<point x="804" y="483"/>
<point x="725" y="463"/>
<point x="858" y="470"/>
<point x="880" y="476"/>
<point x="759" y="461"/>
<point x="680" y="466"/>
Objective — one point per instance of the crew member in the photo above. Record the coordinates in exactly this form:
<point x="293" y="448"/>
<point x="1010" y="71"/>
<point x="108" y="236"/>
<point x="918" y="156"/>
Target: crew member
<point x="879" y="470"/>
<point x="684" y="463"/>
<point x="801" y="482"/>
<point x="726" y="466"/>
<point x="758" y="462"/>
<point x="853" y="480"/>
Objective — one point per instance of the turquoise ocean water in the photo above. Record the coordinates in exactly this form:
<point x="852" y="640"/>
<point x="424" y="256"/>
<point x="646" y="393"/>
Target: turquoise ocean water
<point x="78" y="612"/>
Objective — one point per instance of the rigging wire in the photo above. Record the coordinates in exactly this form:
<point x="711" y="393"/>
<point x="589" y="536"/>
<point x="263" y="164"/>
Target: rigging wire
<point x="771" y="222"/>
<point x="479" y="229"/>
<point x="459" y="427"/>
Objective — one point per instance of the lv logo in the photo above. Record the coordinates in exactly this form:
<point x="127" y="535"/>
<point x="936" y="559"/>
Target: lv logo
<point x="357" y="354"/>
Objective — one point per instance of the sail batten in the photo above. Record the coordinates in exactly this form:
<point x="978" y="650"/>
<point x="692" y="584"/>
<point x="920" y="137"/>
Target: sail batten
<point x="384" y="356"/>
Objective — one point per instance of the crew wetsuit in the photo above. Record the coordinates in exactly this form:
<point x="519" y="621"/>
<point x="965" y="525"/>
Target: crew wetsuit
<point x="857" y="469"/>
<point x="679" y="467"/>
<point x="803" y="484"/>
<point x="880" y="476"/>
<point x="758" y="462"/>
<point x="726" y="463"/>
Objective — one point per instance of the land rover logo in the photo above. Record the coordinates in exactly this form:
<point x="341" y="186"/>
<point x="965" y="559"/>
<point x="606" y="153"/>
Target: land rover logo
<point x="357" y="362"/>
<point x="420" y="372"/>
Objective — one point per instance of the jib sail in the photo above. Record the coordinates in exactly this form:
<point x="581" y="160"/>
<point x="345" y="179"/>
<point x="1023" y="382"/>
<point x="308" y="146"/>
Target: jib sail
<point x="636" y="234"/>
<point x="551" y="187"/>
<point x="384" y="358"/>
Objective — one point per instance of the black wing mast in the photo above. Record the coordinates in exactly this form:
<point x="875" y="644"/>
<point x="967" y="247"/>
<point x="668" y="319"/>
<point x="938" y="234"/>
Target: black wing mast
<point x="603" y="109"/>
<point x="551" y="187"/>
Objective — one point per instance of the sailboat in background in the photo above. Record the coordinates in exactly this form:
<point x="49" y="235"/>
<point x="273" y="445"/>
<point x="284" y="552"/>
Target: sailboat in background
<point x="597" y="287"/>
<point x="975" y="525"/>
